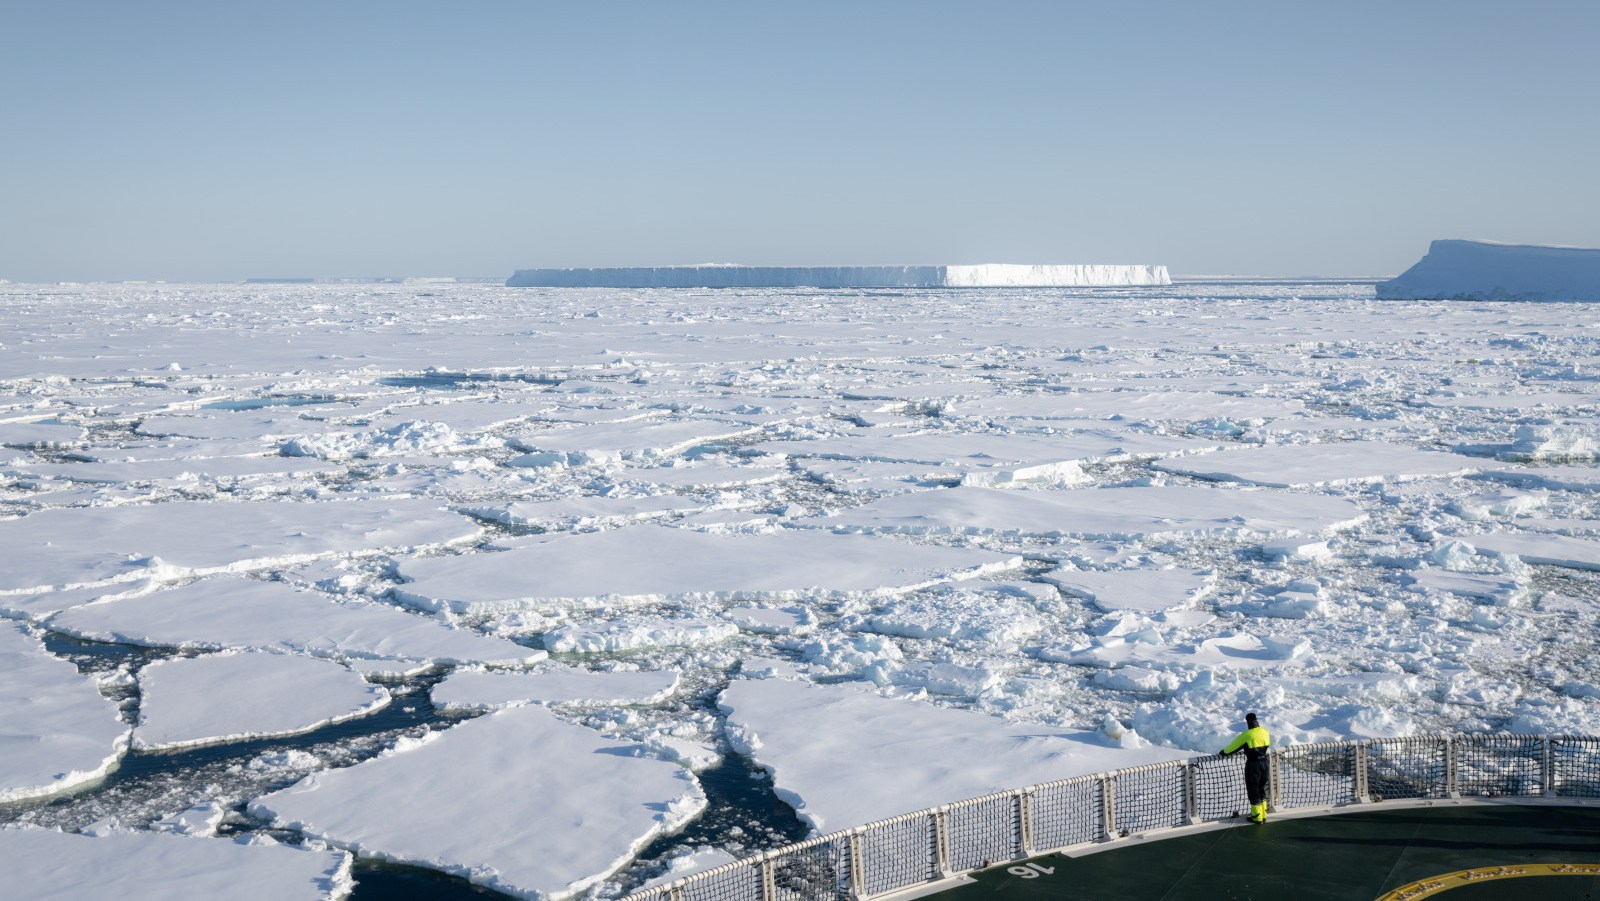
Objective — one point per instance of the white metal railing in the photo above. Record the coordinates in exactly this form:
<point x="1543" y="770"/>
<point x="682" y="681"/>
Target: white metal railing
<point x="915" y="849"/>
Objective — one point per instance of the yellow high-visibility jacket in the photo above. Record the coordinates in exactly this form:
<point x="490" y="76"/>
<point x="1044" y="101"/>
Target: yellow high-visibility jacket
<point x="1254" y="741"/>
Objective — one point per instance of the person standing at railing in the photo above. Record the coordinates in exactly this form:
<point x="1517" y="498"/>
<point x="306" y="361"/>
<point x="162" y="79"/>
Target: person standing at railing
<point x="1254" y="741"/>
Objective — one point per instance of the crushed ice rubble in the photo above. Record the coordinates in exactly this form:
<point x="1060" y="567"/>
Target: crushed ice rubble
<point x="892" y="547"/>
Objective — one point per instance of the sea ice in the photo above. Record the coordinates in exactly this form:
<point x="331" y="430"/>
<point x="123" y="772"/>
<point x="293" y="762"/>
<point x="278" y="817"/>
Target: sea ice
<point x="152" y="866"/>
<point x="59" y="730"/>
<point x="65" y="548"/>
<point x="275" y="616"/>
<point x="479" y="690"/>
<point x="1111" y="513"/>
<point x="636" y="633"/>
<point x="1556" y="550"/>
<point x="583" y="805"/>
<point x="1317" y="465"/>
<point x="903" y="755"/>
<point x="1142" y="590"/>
<point x="613" y="442"/>
<point x="189" y="701"/>
<point x="654" y="563"/>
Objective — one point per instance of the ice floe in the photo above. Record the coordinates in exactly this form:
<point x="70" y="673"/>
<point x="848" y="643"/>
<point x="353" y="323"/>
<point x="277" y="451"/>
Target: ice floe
<point x="653" y="563"/>
<point x="215" y="614"/>
<point x="1315" y="465"/>
<point x="59" y="730"/>
<point x="582" y="805"/>
<point x="1112" y="513"/>
<point x="480" y="690"/>
<point x="902" y="754"/>
<point x="1143" y="590"/>
<point x="64" y="548"/>
<point x="43" y="863"/>
<point x="190" y="701"/>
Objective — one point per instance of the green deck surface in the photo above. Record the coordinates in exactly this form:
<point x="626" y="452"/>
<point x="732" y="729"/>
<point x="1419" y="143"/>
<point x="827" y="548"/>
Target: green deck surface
<point x="1347" y="856"/>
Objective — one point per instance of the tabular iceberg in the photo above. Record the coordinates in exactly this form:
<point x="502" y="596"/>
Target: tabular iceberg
<point x="989" y="275"/>
<point x="1485" y="270"/>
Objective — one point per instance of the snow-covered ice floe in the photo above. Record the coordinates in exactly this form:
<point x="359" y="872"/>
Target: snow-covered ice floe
<point x="653" y="563"/>
<point x="1115" y="513"/>
<point x="1144" y="590"/>
<point x="215" y="614"/>
<point x="842" y="755"/>
<point x="136" y="866"/>
<point x="1316" y="465"/>
<point x="579" y="807"/>
<point x="479" y="690"/>
<point x="189" y="701"/>
<point x="63" y="548"/>
<point x="1486" y="270"/>
<point x="58" y="731"/>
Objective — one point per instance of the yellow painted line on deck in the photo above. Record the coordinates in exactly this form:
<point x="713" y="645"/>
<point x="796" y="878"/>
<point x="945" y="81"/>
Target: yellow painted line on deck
<point x="1438" y="885"/>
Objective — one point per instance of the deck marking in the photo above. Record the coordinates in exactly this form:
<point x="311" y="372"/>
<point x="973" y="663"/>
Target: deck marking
<point x="1436" y="885"/>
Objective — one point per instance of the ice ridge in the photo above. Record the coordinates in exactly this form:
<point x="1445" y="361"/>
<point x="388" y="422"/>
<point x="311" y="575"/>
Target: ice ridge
<point x="986" y="275"/>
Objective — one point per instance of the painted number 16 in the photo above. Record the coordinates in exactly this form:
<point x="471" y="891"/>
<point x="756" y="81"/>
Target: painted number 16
<point x="1031" y="870"/>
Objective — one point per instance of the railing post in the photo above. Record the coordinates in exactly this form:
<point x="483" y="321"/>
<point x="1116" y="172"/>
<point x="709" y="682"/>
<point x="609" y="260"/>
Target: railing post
<point x="858" y="871"/>
<point x="1452" y="764"/>
<point x="941" y="843"/>
<point x="1362" y="795"/>
<point x="769" y="884"/>
<point x="1191" y="802"/>
<point x="675" y="893"/>
<point x="1547" y="766"/>
<point x="1108" y="806"/>
<point x="1272" y="781"/>
<point x="1025" y="820"/>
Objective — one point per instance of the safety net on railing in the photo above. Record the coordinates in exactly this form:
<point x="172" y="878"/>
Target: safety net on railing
<point x="813" y="870"/>
<point x="1219" y="787"/>
<point x="1575" y="766"/>
<point x="899" y="852"/>
<point x="1149" y="797"/>
<point x="1069" y="812"/>
<point x="918" y="848"/>
<point x="983" y="831"/>
<point x="1407" y="768"/>
<point x="1494" y="766"/>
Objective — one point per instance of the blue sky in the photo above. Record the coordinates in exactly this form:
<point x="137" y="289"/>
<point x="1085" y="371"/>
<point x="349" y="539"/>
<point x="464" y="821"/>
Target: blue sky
<point x="205" y="140"/>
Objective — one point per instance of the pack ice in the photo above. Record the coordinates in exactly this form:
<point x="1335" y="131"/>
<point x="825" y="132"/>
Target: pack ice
<point x="582" y="804"/>
<point x="59" y="730"/>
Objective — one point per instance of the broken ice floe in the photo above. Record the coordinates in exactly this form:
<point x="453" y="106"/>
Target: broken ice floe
<point x="275" y="616"/>
<point x="636" y="633"/>
<point x="1555" y="550"/>
<point x="64" y="548"/>
<point x="59" y="730"/>
<point x="1143" y="590"/>
<point x="583" y="804"/>
<point x="1316" y="465"/>
<point x="151" y="866"/>
<point x="614" y="442"/>
<point x="904" y="754"/>
<point x="479" y="690"/>
<point x="653" y="563"/>
<point x="1112" y="513"/>
<point x="189" y="701"/>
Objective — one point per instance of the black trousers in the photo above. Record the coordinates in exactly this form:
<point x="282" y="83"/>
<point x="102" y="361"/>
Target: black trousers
<point x="1256" y="776"/>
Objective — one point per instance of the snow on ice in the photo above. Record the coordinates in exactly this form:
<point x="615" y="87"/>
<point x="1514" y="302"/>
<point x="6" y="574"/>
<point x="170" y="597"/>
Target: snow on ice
<point x="843" y="756"/>
<point x="1100" y="517"/>
<point x="481" y="690"/>
<point x="214" y="614"/>
<point x="190" y="701"/>
<point x="654" y="564"/>
<point x="582" y="805"/>
<point x="59" y="730"/>
<point x="150" y="866"/>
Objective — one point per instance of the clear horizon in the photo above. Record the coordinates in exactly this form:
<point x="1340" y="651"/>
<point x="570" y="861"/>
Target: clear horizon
<point x="193" y="142"/>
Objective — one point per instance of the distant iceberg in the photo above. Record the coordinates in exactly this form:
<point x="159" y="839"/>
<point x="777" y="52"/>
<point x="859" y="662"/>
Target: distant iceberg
<point x="1485" y="270"/>
<point x="991" y="275"/>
